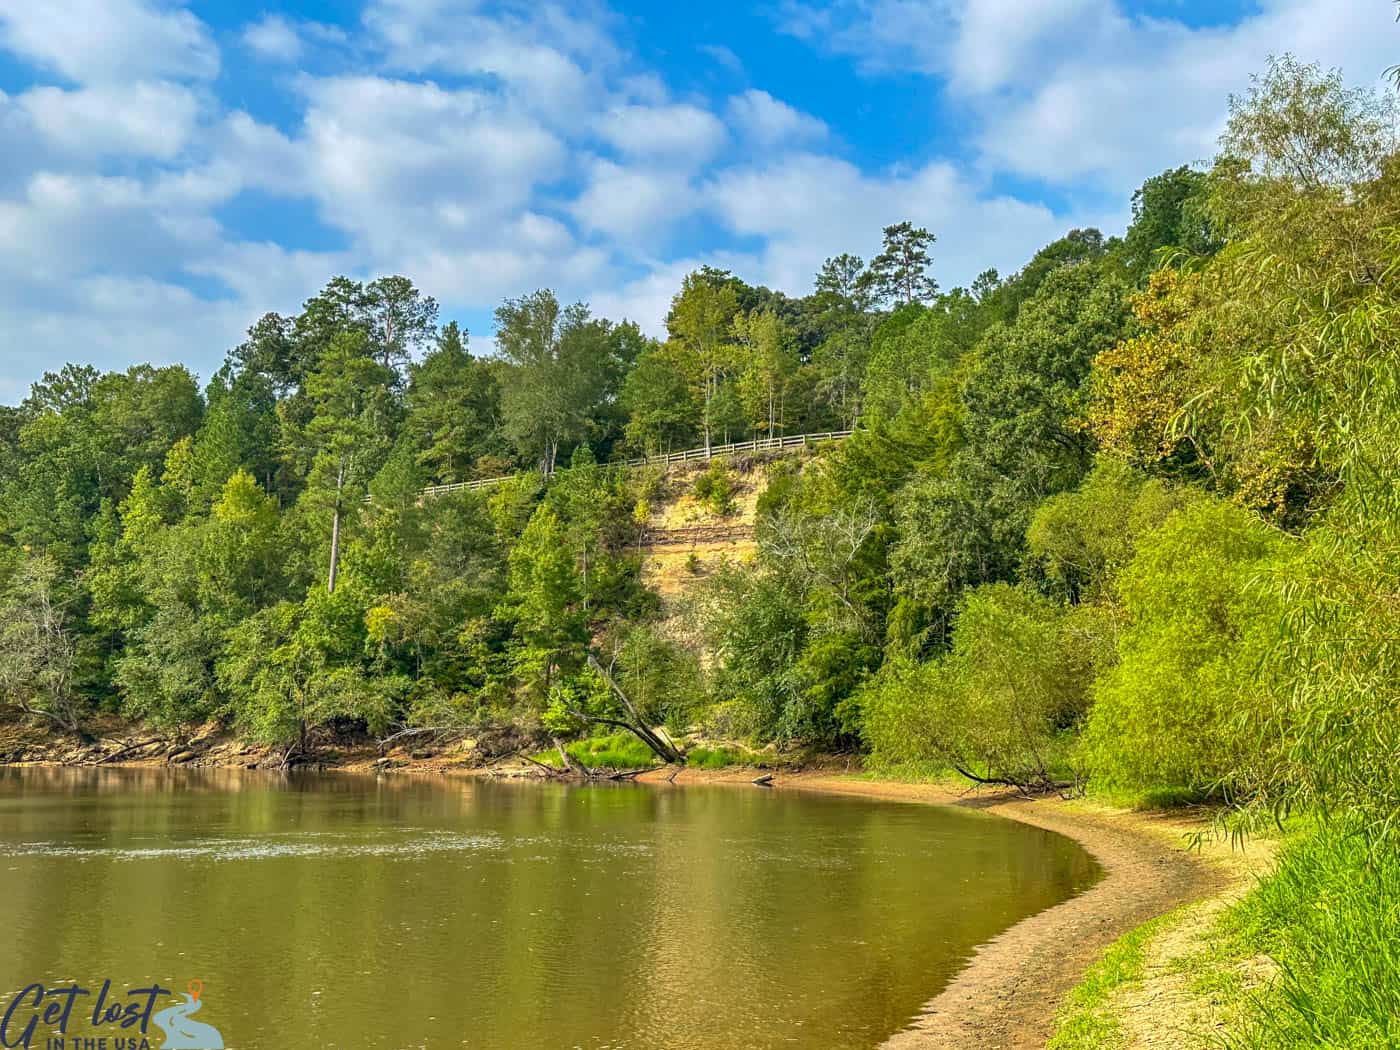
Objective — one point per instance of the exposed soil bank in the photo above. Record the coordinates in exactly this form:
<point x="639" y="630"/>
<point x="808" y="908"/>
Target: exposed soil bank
<point x="1008" y="994"/>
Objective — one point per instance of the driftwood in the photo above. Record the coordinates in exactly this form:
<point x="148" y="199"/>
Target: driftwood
<point x="404" y="734"/>
<point x="1042" y="784"/>
<point x="764" y="781"/>
<point x="544" y="767"/>
<point x="130" y="749"/>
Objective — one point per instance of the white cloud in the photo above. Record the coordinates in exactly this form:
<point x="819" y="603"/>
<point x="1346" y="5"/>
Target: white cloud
<point x="487" y="151"/>
<point x="682" y="133"/>
<point x="544" y="55"/>
<point x="273" y="38"/>
<point x="770" y="122"/>
<point x="95" y="41"/>
<point x="1068" y="90"/>
<point x="154" y="119"/>
<point x="396" y="162"/>
<point x="777" y="202"/>
<point x="635" y="205"/>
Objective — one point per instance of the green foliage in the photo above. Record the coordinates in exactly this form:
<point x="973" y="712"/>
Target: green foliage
<point x="1080" y="540"/>
<point x="714" y="488"/>
<point x="1201" y="616"/>
<point x="38" y="652"/>
<point x="545" y="603"/>
<point x="1169" y="215"/>
<point x="997" y="706"/>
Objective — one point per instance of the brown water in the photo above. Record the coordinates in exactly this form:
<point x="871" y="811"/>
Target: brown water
<point x="344" y="911"/>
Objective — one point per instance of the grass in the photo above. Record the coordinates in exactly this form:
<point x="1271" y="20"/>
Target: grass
<point x="624" y="751"/>
<point x="1324" y="927"/>
<point x="617" y="751"/>
<point x="1330" y="917"/>
<point x="1154" y="798"/>
<point x="1087" y="1020"/>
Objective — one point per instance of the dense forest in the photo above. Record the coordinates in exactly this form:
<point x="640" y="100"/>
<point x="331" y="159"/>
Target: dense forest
<point x="1128" y="517"/>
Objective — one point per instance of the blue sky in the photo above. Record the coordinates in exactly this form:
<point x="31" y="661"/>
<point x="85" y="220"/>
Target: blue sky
<point x="171" y="170"/>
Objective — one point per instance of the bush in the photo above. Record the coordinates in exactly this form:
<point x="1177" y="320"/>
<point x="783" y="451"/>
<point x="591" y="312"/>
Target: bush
<point x="1184" y="705"/>
<point x="715" y="489"/>
<point x="999" y="704"/>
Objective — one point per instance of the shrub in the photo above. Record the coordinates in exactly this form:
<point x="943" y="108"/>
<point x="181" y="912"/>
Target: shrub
<point x="715" y="489"/>
<point x="998" y="705"/>
<point x="1184" y="704"/>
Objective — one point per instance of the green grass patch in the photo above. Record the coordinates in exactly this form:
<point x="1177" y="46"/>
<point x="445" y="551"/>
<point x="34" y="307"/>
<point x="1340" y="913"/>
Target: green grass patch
<point x="1330" y="917"/>
<point x="618" y="751"/>
<point x="1149" y="798"/>
<point x="1087" y="1020"/>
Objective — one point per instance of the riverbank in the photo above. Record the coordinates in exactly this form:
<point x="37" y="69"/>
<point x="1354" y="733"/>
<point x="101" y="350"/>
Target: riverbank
<point x="1014" y="990"/>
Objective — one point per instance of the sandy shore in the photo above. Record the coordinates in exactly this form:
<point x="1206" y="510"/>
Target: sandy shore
<point x="1007" y="996"/>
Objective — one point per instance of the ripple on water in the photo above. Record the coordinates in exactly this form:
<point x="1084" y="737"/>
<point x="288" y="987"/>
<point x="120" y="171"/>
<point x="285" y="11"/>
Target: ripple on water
<point x="308" y="845"/>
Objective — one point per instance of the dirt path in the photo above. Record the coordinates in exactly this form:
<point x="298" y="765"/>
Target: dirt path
<point x="1007" y="996"/>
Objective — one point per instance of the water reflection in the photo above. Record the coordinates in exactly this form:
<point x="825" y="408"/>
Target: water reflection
<point x="343" y="911"/>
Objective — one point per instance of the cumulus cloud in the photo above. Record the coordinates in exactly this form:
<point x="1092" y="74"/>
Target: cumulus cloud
<point x="273" y="38"/>
<point x="681" y="133"/>
<point x="776" y="202"/>
<point x="394" y="162"/>
<point x="634" y="205"/>
<point x="1066" y="90"/>
<point x="95" y="41"/>
<point x="768" y="121"/>
<point x="154" y="119"/>
<point x="490" y="148"/>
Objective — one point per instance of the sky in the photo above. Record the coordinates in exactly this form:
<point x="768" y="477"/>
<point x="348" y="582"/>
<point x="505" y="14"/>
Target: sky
<point x="170" y="171"/>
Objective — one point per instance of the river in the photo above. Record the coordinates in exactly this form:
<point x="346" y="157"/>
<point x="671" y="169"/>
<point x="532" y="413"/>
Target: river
<point x="348" y="911"/>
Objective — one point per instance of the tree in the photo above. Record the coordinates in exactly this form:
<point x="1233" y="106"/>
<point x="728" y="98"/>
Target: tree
<point x="839" y="284"/>
<point x="563" y="366"/>
<point x="700" y="323"/>
<point x="660" y="401"/>
<point x="453" y="405"/>
<point x="767" y="363"/>
<point x="992" y="709"/>
<point x="400" y="319"/>
<point x="37" y="643"/>
<point x="545" y="604"/>
<point x="900" y="272"/>
<point x="1169" y="211"/>
<point x="348" y="432"/>
<point x="1183" y="706"/>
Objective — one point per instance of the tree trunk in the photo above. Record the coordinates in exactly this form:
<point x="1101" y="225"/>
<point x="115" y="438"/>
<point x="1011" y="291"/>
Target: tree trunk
<point x="663" y="749"/>
<point x="335" y="530"/>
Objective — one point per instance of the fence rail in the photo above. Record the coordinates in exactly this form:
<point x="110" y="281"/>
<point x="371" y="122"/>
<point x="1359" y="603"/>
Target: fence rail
<point x="775" y="444"/>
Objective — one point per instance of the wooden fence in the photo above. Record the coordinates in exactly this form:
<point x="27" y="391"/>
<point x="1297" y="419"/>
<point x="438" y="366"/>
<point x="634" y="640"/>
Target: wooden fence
<point x="775" y="444"/>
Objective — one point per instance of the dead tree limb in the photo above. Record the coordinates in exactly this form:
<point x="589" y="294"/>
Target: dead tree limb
<point x="129" y="749"/>
<point x="663" y="749"/>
